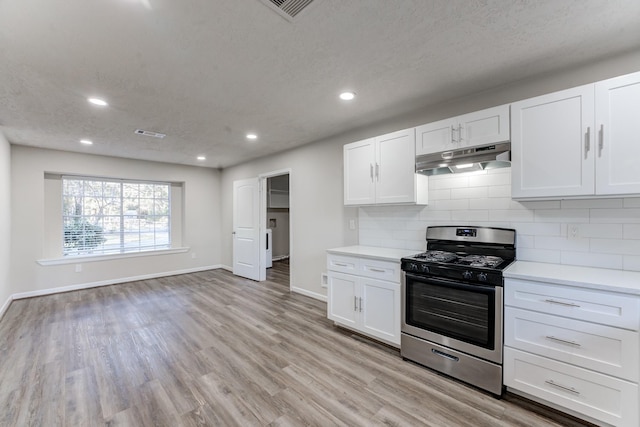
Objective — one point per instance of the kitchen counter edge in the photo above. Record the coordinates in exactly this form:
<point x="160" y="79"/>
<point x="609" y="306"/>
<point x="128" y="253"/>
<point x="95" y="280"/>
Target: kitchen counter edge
<point x="372" y="252"/>
<point x="611" y="280"/>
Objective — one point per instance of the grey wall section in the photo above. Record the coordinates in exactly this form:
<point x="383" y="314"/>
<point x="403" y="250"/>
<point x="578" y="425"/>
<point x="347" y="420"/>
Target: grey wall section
<point x="201" y="229"/>
<point x="319" y="219"/>
<point x="5" y="219"/>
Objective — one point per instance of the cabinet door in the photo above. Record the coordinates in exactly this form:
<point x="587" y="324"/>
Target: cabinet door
<point x="381" y="310"/>
<point x="342" y="299"/>
<point x="436" y="137"/>
<point x="359" y="170"/>
<point x="484" y="127"/>
<point x="618" y="131"/>
<point x="395" y="167"/>
<point x="552" y="144"/>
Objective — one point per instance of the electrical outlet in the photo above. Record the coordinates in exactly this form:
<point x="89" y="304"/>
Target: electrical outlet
<point x="193" y="255"/>
<point x="324" y="280"/>
<point x="78" y="268"/>
<point x="352" y="224"/>
<point x="573" y="231"/>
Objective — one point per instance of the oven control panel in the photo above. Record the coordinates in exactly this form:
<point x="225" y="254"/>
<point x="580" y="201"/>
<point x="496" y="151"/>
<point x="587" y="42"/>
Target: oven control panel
<point x="469" y="275"/>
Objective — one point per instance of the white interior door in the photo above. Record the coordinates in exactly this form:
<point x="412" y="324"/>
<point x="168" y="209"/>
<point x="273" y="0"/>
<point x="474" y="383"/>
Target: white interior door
<point x="246" y="228"/>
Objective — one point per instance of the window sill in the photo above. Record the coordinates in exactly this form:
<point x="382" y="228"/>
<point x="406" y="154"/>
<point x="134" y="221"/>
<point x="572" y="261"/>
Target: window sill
<point x="92" y="258"/>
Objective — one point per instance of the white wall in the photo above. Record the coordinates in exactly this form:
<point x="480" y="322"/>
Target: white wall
<point x="5" y="221"/>
<point x="608" y="229"/>
<point x="30" y="219"/>
<point x="318" y="218"/>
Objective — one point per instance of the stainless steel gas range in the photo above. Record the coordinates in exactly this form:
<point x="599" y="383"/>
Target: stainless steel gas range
<point x="452" y="303"/>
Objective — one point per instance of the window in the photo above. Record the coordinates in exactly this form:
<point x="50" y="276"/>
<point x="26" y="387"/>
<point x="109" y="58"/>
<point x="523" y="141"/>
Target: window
<point x="102" y="216"/>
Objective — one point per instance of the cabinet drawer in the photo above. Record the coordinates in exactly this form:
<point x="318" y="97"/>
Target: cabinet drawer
<point x="382" y="270"/>
<point x="595" y="395"/>
<point x="344" y="264"/>
<point x="602" y="348"/>
<point x="577" y="303"/>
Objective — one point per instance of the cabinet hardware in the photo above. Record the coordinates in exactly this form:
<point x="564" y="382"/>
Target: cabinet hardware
<point x="567" y="304"/>
<point x="587" y="142"/>
<point x="371" y="170"/>
<point x="360" y="304"/>
<point x="355" y="303"/>
<point x="569" y="389"/>
<point x="378" y="172"/>
<point x="552" y="338"/>
<point x="377" y="270"/>
<point x="453" y="131"/>
<point x="339" y="264"/>
<point x="601" y="140"/>
<point x="460" y="133"/>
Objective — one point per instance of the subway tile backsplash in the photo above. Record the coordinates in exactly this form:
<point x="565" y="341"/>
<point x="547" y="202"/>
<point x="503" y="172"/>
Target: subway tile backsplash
<point x="587" y="232"/>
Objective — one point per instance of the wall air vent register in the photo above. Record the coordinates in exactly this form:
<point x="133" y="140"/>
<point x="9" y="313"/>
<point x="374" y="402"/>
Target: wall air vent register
<point x="288" y="9"/>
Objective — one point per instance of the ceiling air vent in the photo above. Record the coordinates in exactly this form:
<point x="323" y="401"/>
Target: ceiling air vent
<point x="149" y="133"/>
<point x="288" y="9"/>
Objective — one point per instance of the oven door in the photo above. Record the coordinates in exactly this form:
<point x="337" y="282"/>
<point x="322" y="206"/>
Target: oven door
<point x="461" y="316"/>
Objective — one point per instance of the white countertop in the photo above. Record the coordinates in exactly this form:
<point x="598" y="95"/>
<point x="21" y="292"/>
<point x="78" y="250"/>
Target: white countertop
<point x="383" y="254"/>
<point x="627" y="282"/>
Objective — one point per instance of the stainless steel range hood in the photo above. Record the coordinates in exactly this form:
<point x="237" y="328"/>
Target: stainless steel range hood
<point x="483" y="157"/>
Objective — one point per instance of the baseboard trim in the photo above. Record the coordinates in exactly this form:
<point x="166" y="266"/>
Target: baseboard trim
<point x="62" y="289"/>
<point x="305" y="292"/>
<point x="226" y="267"/>
<point x="5" y="307"/>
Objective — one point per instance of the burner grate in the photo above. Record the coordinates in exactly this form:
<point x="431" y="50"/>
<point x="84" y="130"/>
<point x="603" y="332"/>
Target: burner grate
<point x="481" y="261"/>
<point x="437" y="256"/>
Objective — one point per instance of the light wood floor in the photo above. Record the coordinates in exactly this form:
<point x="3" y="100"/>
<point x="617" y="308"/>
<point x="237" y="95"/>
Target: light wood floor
<point x="212" y="349"/>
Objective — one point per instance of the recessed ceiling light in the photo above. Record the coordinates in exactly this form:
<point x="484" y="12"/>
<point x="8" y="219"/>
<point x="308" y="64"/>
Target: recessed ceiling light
<point x="252" y="136"/>
<point x="86" y="142"/>
<point x="201" y="158"/>
<point x="98" y="101"/>
<point x="347" y="96"/>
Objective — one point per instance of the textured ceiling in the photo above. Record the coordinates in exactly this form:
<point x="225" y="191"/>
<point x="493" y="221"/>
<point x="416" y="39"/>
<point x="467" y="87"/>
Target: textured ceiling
<point x="206" y="72"/>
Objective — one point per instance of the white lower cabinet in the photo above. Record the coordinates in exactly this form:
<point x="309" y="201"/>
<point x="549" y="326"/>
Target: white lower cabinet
<point x="600" y="397"/>
<point x="573" y="348"/>
<point x="366" y="304"/>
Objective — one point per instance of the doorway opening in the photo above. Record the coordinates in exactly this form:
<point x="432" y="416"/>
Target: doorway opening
<point x="276" y="220"/>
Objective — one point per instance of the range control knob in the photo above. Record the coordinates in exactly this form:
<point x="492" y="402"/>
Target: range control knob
<point x="413" y="266"/>
<point x="482" y="277"/>
<point x="424" y="268"/>
<point x="467" y="275"/>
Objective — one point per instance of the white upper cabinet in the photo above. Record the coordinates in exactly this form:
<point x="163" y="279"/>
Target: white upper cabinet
<point x="359" y="175"/>
<point x="618" y="135"/>
<point x="478" y="128"/>
<point x="551" y="140"/>
<point x="381" y="170"/>
<point x="578" y="142"/>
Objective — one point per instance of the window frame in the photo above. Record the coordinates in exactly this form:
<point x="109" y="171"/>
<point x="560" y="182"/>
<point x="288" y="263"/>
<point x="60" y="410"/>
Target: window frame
<point x="122" y="250"/>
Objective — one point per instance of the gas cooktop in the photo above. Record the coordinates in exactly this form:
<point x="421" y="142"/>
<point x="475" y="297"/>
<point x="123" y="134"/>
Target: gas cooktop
<point x="487" y="261"/>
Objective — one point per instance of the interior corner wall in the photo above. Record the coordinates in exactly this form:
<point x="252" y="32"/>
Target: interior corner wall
<point x="5" y="221"/>
<point x="201" y="229"/>
<point x="318" y="218"/>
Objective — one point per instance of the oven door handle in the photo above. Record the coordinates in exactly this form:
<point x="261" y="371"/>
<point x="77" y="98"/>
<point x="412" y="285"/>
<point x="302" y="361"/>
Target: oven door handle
<point x="449" y="283"/>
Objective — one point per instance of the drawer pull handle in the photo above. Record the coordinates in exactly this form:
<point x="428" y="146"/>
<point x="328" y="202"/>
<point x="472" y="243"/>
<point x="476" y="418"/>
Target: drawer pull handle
<point x="552" y="338"/>
<point x="565" y="388"/>
<point x="445" y="355"/>
<point x="339" y="264"/>
<point x="355" y="303"/>
<point x="377" y="270"/>
<point x="566" y="304"/>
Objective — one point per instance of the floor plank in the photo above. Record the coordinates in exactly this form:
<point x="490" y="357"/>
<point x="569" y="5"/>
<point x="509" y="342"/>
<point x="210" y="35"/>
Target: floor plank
<point x="212" y="349"/>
